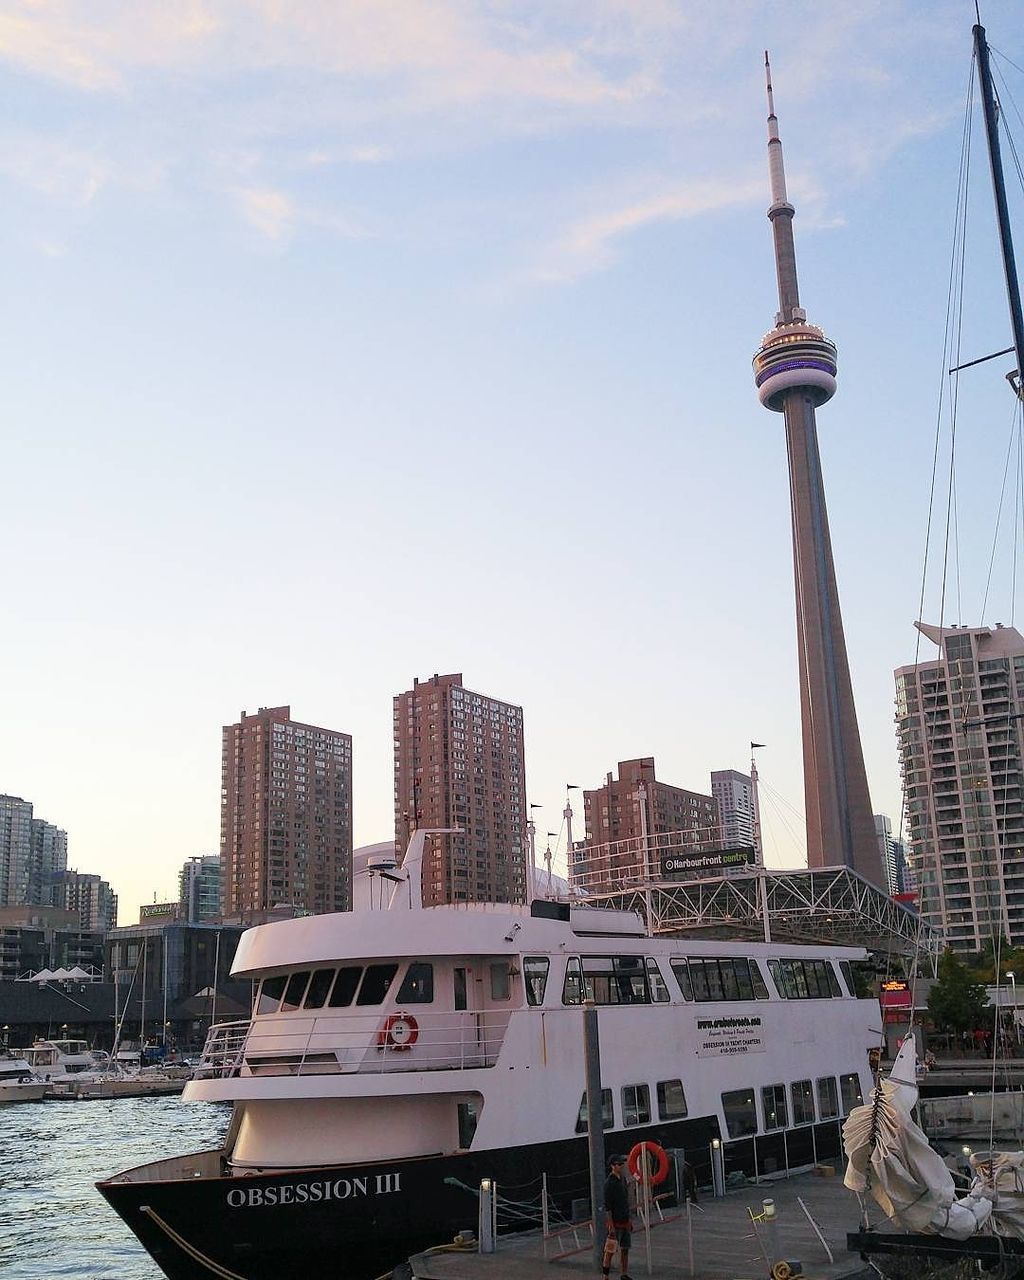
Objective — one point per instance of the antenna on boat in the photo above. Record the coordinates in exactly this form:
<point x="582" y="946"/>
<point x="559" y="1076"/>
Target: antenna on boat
<point x="531" y="870"/>
<point x="567" y="815"/>
<point x="645" y="853"/>
<point x="758" y="846"/>
<point x="762" y="875"/>
<point x="991" y="108"/>
<point x="412" y="865"/>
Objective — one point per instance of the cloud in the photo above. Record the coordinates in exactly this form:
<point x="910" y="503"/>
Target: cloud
<point x="53" y="167"/>
<point x="589" y="244"/>
<point x="447" y="50"/>
<point x="276" y="215"/>
<point x="271" y="213"/>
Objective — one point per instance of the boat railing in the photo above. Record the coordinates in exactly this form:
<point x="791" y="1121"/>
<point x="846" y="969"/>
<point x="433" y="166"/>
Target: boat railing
<point x="222" y="1053"/>
<point x="284" y="1044"/>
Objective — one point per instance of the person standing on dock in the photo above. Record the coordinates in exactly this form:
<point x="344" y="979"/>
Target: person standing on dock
<point x="616" y="1216"/>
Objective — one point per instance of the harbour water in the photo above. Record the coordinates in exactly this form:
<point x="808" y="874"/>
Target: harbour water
<point x="53" y="1221"/>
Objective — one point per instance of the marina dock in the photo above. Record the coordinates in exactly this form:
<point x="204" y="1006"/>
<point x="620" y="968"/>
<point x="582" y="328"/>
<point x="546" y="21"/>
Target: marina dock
<point x="726" y="1242"/>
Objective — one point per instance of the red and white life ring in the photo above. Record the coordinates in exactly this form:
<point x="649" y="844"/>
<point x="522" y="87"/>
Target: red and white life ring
<point x="658" y="1154"/>
<point x="400" y="1031"/>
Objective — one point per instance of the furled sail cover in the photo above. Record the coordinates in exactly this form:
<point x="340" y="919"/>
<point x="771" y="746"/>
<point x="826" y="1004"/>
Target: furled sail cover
<point x="888" y="1156"/>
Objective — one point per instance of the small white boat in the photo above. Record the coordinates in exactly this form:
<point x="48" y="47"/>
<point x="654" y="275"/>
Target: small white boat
<point x="65" y="1059"/>
<point x="18" y="1083"/>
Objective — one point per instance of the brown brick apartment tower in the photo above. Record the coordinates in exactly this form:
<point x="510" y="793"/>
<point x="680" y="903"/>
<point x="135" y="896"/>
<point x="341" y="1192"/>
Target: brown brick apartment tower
<point x="459" y="763"/>
<point x="286" y="815"/>
<point x="612" y="812"/>
<point x="795" y="372"/>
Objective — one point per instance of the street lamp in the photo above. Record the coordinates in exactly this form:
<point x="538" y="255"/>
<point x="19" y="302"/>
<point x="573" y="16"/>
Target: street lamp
<point x="7" y="1036"/>
<point x="1013" y="989"/>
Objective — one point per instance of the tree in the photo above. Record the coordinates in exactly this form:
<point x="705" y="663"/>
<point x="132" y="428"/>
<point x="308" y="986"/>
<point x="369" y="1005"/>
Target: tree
<point x="956" y="1002"/>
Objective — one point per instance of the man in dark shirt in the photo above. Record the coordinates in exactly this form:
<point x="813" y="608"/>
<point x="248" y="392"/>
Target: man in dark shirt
<point x="617" y="1221"/>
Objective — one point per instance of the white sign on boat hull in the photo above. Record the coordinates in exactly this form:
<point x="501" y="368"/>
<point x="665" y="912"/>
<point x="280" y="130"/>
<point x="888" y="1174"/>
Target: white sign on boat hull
<point x="718" y="1036"/>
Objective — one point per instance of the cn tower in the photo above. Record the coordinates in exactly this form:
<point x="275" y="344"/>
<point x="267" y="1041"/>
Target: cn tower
<point x="795" y="372"/>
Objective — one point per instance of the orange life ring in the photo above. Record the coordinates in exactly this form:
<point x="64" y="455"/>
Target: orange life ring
<point x="660" y="1156"/>
<point x="400" y="1031"/>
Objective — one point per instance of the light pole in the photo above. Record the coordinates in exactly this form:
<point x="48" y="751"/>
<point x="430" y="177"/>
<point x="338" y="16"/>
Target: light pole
<point x="7" y="1036"/>
<point x="1013" y="990"/>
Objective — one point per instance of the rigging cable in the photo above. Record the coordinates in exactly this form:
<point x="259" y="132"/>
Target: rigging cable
<point x="954" y="295"/>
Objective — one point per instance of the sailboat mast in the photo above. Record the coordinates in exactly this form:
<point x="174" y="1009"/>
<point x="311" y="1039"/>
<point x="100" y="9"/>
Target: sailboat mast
<point x="988" y="100"/>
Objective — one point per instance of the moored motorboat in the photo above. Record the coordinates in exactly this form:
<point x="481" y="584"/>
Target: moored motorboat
<point x="55" y="1060"/>
<point x="18" y="1082"/>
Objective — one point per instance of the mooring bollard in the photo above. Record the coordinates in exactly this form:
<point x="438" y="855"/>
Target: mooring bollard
<point x="771" y="1224"/>
<point x="485" y="1233"/>
<point x="717" y="1167"/>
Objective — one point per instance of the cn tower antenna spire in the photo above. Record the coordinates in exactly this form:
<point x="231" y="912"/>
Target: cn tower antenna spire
<point x="781" y="215"/>
<point x="795" y="373"/>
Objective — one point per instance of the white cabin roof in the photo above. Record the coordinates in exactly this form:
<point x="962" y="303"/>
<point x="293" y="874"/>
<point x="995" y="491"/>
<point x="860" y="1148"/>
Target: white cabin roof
<point x="479" y="929"/>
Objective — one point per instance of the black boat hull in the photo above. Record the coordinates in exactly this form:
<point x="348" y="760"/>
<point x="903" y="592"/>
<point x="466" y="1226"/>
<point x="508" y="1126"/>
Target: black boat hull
<point x="355" y="1222"/>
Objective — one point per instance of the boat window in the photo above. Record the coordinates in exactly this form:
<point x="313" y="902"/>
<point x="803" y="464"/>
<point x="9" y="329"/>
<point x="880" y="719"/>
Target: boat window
<point x="849" y="1090"/>
<point x="535" y="978"/>
<point x="616" y="980"/>
<point x="271" y="991"/>
<point x="417" y="985"/>
<point x="501" y="984"/>
<point x="375" y="984"/>
<point x="319" y="986"/>
<point x="722" y="978"/>
<point x="468" y="1114"/>
<point x="828" y="1099"/>
<point x="773" y="1100"/>
<point x="659" y="991"/>
<point x="804" y="979"/>
<point x="295" y="990"/>
<point x="636" y="1104"/>
<point x="345" y="987"/>
<point x="802" y="1096"/>
<point x="572" y="988"/>
<point x="607" y="1118"/>
<point x="682" y="973"/>
<point x="846" y="969"/>
<point x="671" y="1100"/>
<point x="740" y="1112"/>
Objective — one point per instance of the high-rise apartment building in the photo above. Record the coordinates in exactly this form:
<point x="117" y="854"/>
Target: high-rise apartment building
<point x="615" y="811"/>
<point x="893" y="853"/>
<point x="627" y="821"/>
<point x="733" y="792"/>
<point x="286" y="815"/>
<point x="91" y="897"/>
<point x="959" y="722"/>
<point x="33" y="856"/>
<point x="199" y="889"/>
<point x="459" y="763"/>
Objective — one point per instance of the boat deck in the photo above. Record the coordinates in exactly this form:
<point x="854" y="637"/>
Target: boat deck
<point x="725" y="1246"/>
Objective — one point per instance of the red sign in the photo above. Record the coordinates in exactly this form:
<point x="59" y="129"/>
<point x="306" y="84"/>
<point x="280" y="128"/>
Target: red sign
<point x="895" y="995"/>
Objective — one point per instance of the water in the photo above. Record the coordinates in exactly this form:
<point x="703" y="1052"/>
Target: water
<point x="53" y="1221"/>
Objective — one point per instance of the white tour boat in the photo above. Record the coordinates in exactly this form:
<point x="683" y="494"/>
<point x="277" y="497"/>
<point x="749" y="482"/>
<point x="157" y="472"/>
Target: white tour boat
<point x="396" y="1058"/>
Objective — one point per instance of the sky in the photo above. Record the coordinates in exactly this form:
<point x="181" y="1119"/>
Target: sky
<point x="348" y="342"/>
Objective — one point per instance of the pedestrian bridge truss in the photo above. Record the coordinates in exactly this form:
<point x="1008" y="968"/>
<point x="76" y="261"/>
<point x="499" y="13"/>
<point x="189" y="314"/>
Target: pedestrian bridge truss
<point x="826" y="904"/>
